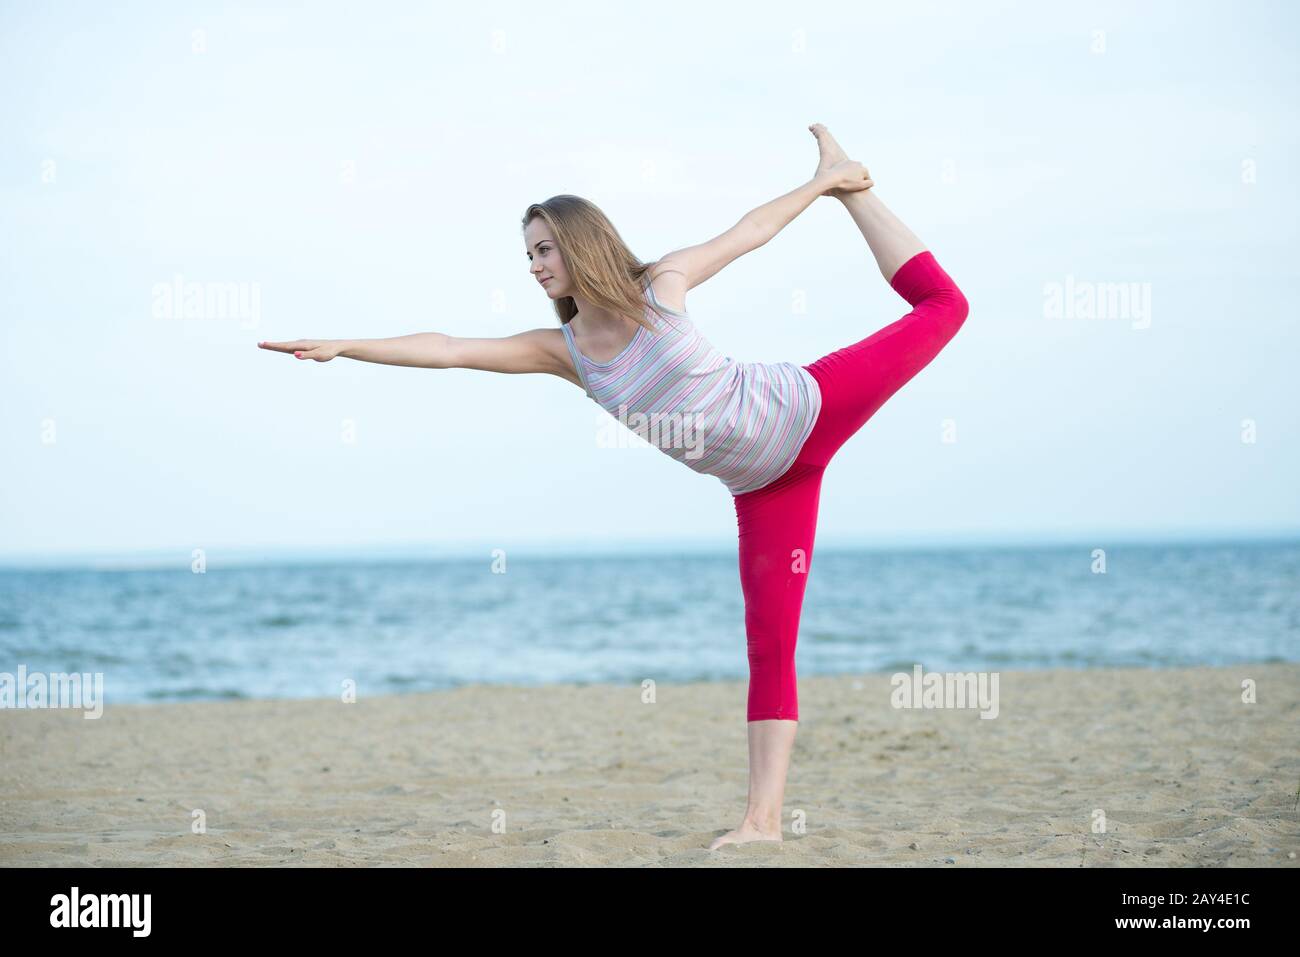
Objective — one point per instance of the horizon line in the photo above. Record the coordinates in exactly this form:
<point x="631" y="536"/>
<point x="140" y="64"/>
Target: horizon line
<point x="245" y="554"/>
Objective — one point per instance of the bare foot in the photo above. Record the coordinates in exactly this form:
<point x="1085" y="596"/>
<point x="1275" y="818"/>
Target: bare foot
<point x="744" y="834"/>
<point x="831" y="153"/>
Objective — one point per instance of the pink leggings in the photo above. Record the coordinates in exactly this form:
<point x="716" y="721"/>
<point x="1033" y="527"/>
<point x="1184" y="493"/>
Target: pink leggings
<point x="778" y="522"/>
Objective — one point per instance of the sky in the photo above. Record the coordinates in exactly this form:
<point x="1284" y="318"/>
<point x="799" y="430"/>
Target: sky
<point x="1112" y="185"/>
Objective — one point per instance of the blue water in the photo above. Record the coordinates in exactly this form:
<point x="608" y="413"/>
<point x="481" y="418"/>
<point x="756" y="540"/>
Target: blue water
<point x="297" y="630"/>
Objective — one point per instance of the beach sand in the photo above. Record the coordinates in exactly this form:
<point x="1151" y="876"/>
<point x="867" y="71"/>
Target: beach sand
<point x="1185" y="773"/>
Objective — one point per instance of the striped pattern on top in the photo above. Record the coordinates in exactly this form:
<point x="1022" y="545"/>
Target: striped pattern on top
<point x="743" y="422"/>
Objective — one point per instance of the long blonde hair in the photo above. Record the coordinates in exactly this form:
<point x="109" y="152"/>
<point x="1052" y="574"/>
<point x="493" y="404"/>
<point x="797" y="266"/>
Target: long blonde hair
<point x="601" y="267"/>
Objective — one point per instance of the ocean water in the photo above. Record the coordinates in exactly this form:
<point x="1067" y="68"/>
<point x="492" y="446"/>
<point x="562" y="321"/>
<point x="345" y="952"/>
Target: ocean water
<point x="301" y="630"/>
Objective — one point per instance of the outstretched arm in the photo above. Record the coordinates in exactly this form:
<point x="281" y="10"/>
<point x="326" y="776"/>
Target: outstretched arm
<point x="694" y="264"/>
<point x="537" y="350"/>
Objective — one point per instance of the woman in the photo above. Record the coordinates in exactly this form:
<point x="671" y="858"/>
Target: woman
<point x="767" y="431"/>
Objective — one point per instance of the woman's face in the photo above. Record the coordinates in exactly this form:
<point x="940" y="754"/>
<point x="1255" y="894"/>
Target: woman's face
<point x="547" y="263"/>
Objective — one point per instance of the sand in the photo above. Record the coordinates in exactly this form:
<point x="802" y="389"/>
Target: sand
<point x="1184" y="772"/>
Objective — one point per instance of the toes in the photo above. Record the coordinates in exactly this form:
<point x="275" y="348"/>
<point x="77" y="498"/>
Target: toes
<point x="728" y="838"/>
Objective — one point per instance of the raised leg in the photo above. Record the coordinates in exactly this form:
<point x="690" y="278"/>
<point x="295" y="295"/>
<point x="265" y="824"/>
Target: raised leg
<point x="891" y="242"/>
<point x="858" y="379"/>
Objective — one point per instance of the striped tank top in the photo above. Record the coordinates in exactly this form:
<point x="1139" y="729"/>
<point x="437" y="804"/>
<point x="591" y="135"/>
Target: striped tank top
<point x="742" y="422"/>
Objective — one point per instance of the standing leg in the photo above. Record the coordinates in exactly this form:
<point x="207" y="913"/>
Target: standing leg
<point x="777" y="527"/>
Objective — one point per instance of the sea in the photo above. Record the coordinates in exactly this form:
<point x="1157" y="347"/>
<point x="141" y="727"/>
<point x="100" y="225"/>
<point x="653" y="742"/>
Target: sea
<point x="304" y="629"/>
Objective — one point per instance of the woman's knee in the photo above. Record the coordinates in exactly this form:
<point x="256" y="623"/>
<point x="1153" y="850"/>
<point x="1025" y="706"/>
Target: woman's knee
<point x="768" y="652"/>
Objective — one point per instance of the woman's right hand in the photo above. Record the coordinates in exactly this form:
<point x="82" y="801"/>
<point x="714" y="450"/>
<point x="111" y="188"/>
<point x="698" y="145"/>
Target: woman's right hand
<point x="322" y="350"/>
<point x="846" y="176"/>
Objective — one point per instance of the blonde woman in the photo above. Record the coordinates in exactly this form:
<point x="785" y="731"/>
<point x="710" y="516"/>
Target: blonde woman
<point x="766" y="430"/>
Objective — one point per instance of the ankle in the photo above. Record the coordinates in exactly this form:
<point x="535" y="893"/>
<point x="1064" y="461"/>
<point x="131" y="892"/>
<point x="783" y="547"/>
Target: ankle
<point x="763" y="821"/>
<point x="852" y="199"/>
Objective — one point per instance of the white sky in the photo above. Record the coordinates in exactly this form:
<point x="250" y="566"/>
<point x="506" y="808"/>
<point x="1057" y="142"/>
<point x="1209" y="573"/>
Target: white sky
<point x="365" y="168"/>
